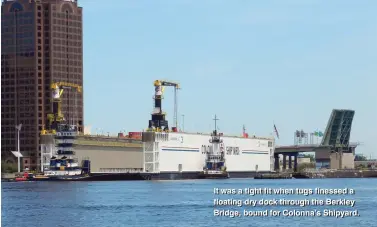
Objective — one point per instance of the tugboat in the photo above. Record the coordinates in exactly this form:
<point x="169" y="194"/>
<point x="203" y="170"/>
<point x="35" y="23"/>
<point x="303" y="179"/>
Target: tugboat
<point x="214" y="167"/>
<point x="62" y="164"/>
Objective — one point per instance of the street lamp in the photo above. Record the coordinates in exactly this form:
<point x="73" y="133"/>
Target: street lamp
<point x="18" y="127"/>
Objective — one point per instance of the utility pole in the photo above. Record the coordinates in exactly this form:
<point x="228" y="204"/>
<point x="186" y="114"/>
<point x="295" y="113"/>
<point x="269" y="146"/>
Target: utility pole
<point x="18" y="127"/>
<point x="183" y="122"/>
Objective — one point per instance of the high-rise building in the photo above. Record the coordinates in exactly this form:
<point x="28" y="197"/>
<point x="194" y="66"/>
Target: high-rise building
<point x="41" y="43"/>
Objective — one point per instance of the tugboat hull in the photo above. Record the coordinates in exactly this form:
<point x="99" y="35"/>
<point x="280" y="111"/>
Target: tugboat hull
<point x="93" y="177"/>
<point x="213" y="176"/>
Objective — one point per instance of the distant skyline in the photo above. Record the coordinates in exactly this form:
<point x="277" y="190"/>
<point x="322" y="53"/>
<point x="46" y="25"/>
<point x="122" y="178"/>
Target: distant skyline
<point x="249" y="62"/>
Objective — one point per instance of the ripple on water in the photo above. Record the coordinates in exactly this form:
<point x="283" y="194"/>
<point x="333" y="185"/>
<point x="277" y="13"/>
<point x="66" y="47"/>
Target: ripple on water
<point x="162" y="203"/>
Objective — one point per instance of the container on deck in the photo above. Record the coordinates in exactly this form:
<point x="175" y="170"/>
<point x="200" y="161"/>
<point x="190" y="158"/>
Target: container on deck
<point x="174" y="129"/>
<point x="120" y="135"/>
<point x="134" y="135"/>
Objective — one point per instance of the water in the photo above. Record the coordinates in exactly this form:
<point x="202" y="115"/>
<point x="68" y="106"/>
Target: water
<point x="167" y="203"/>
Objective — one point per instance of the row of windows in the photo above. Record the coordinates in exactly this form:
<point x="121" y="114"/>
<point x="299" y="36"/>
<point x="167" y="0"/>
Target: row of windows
<point x="10" y="77"/>
<point x="26" y="88"/>
<point x="20" y="49"/>
<point x="11" y="21"/>
<point x="23" y="142"/>
<point x="18" y="45"/>
<point x="20" y="95"/>
<point x="64" y="15"/>
<point x="21" y="108"/>
<point x="27" y="134"/>
<point x="18" y="34"/>
<point x="10" y="57"/>
<point x="23" y="102"/>
<point x="71" y="23"/>
<point x="64" y="42"/>
<point x="73" y="56"/>
<point x="64" y="61"/>
<point x="71" y="29"/>
<point x="21" y="14"/>
<point x="64" y="36"/>
<point x="74" y="78"/>
<point x="22" y="115"/>
<point x="19" y="30"/>
<point x="11" y="134"/>
<point x="9" y="71"/>
<point x="64" y="68"/>
<point x="27" y="126"/>
<point x="76" y="55"/>
<point x="25" y="109"/>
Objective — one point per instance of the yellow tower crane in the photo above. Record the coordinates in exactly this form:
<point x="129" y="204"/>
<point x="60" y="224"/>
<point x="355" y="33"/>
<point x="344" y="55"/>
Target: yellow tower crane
<point x="56" y="117"/>
<point x="158" y="121"/>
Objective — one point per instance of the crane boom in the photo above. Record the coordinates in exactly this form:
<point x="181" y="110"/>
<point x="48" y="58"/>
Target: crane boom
<point x="158" y="121"/>
<point x="56" y="117"/>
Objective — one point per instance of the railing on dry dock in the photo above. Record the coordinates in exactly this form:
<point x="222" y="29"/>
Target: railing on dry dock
<point x="120" y="170"/>
<point x="100" y="142"/>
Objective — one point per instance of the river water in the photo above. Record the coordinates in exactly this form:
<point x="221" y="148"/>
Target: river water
<point x="173" y="203"/>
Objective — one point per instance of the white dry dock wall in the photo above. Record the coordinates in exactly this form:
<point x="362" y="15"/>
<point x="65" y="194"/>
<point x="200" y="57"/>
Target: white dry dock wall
<point x="184" y="152"/>
<point x="255" y="154"/>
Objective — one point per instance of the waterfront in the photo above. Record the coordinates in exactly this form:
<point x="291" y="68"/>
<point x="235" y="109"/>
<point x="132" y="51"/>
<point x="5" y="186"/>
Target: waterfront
<point x="167" y="203"/>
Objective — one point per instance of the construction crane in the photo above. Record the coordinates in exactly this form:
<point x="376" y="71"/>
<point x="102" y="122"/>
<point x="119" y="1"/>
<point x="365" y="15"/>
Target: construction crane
<point x="158" y="121"/>
<point x="57" y="117"/>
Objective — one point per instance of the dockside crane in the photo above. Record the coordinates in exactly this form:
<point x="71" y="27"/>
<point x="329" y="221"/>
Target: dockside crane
<point x="158" y="121"/>
<point x="56" y="117"/>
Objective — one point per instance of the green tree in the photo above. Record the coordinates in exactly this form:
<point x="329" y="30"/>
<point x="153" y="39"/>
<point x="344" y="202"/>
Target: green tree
<point x="360" y="157"/>
<point x="305" y="166"/>
<point x="8" y="167"/>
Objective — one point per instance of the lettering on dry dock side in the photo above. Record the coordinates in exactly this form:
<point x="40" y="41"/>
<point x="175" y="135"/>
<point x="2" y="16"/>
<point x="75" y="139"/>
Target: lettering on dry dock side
<point x="275" y="202"/>
<point x="232" y="150"/>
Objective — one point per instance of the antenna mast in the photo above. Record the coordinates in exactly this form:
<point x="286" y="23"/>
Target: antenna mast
<point x="216" y="119"/>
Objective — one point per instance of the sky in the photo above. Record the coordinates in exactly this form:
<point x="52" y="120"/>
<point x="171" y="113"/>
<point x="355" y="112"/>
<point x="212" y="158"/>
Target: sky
<point x="252" y="63"/>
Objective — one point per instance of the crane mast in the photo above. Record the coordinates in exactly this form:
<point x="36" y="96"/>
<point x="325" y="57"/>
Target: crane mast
<point x="56" y="117"/>
<point x="158" y="121"/>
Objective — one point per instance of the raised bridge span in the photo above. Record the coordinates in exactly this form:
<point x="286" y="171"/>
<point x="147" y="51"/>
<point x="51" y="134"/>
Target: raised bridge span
<point x="335" y="141"/>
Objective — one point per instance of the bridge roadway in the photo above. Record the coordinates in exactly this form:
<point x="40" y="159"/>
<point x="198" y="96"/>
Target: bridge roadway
<point x="306" y="148"/>
<point x="301" y="148"/>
